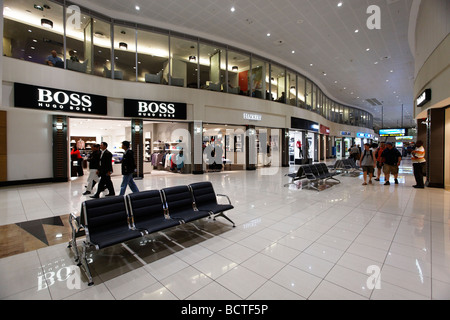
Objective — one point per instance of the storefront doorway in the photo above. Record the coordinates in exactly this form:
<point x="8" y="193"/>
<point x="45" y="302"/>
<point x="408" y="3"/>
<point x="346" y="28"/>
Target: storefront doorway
<point x="84" y="133"/>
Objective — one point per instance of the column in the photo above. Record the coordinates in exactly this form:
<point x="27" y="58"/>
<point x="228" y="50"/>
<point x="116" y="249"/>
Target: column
<point x="137" y="145"/>
<point x="60" y="149"/>
<point x="285" y="147"/>
<point x="435" y="144"/>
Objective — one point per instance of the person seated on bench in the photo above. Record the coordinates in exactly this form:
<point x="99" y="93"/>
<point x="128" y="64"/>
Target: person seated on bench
<point x="54" y="61"/>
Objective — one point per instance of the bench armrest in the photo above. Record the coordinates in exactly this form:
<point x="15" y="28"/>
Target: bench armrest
<point x="223" y="195"/>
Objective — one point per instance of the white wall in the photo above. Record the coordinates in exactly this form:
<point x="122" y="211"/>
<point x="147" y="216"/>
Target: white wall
<point x="433" y="25"/>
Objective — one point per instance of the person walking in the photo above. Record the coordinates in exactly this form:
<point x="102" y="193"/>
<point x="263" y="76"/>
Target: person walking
<point x="368" y="163"/>
<point x="355" y="153"/>
<point x="378" y="153"/>
<point x="392" y="158"/>
<point x="105" y="170"/>
<point x="419" y="162"/>
<point x="128" y="168"/>
<point x="78" y="159"/>
<point x="94" y="164"/>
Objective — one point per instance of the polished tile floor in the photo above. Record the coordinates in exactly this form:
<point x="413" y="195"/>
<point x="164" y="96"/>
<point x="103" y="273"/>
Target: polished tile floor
<point x="347" y="241"/>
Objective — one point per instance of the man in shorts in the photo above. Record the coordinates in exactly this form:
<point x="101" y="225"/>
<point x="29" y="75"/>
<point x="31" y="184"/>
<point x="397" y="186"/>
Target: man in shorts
<point x="368" y="163"/>
<point x="392" y="159"/>
<point x="378" y="153"/>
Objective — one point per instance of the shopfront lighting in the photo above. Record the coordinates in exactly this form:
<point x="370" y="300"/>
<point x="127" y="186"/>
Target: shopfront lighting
<point x="47" y="23"/>
<point x="123" y="46"/>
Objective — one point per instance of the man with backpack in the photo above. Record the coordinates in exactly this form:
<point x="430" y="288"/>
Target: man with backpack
<point x="368" y="163"/>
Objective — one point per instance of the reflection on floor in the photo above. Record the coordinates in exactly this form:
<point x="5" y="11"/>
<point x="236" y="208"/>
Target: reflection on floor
<point x="290" y="243"/>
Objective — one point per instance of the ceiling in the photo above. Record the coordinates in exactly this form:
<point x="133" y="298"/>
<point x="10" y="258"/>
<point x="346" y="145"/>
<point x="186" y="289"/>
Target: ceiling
<point x="350" y="67"/>
<point x="320" y="33"/>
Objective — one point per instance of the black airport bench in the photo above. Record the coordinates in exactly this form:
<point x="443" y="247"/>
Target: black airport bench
<point x="313" y="173"/>
<point x="114" y="220"/>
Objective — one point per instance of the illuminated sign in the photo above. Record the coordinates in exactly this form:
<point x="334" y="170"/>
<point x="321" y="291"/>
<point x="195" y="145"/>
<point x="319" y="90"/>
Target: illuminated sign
<point x="392" y="132"/>
<point x="423" y="98"/>
<point x="252" y="117"/>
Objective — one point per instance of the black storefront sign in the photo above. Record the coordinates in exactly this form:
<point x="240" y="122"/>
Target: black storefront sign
<point x="50" y="99"/>
<point x="297" y="123"/>
<point x="155" y="109"/>
<point x="424" y="98"/>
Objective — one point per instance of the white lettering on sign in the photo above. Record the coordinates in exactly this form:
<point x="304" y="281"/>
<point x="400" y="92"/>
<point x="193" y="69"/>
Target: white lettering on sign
<point x="154" y="108"/>
<point x="421" y="98"/>
<point x="251" y="116"/>
<point x="62" y="98"/>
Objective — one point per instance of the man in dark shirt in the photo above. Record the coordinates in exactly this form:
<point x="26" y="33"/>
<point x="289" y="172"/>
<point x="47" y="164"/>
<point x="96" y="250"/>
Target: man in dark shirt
<point x="128" y="167"/>
<point x="105" y="170"/>
<point x="392" y="158"/>
<point x="94" y="164"/>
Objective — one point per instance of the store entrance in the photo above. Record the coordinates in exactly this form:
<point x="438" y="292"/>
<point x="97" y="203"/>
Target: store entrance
<point x="85" y="133"/>
<point x="223" y="148"/>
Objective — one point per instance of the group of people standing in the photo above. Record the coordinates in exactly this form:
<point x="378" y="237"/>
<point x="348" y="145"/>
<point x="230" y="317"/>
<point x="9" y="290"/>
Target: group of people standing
<point x="101" y="169"/>
<point x="386" y="158"/>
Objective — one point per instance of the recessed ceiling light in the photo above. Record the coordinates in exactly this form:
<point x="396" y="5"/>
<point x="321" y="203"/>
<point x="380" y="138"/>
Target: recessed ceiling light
<point x="268" y="34"/>
<point x="392" y="71"/>
<point x="232" y="9"/>
<point x="311" y="64"/>
<point x="368" y="49"/>
<point x="376" y="62"/>
<point x="339" y="4"/>
<point x="356" y="31"/>
<point x="293" y="51"/>
<point x="138" y="8"/>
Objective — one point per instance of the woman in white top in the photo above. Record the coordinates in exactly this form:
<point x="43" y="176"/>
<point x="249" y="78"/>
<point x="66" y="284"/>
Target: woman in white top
<point x="418" y="160"/>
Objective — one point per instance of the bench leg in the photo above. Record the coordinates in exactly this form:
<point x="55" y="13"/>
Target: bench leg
<point x="86" y="265"/>
<point x="224" y="216"/>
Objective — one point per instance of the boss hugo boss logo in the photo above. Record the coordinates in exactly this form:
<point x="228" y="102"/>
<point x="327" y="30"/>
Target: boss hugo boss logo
<point x="49" y="99"/>
<point x="155" y="109"/>
<point x="60" y="99"/>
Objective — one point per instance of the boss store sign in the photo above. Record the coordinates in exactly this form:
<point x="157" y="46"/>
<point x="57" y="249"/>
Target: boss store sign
<point x="155" y="109"/>
<point x="49" y="99"/>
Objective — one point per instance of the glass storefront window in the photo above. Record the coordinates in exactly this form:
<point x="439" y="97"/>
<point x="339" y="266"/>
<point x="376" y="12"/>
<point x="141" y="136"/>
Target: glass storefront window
<point x="292" y="86"/>
<point x="33" y="34"/>
<point x="314" y="98"/>
<point x="277" y="83"/>
<point x="184" y="62"/>
<point x="238" y="73"/>
<point x="309" y="95"/>
<point x="301" y="92"/>
<point x="153" y="57"/>
<point x="213" y="61"/>
<point x="102" y="48"/>
<point x="79" y="51"/>
<point x="258" y="79"/>
<point x="124" y="53"/>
